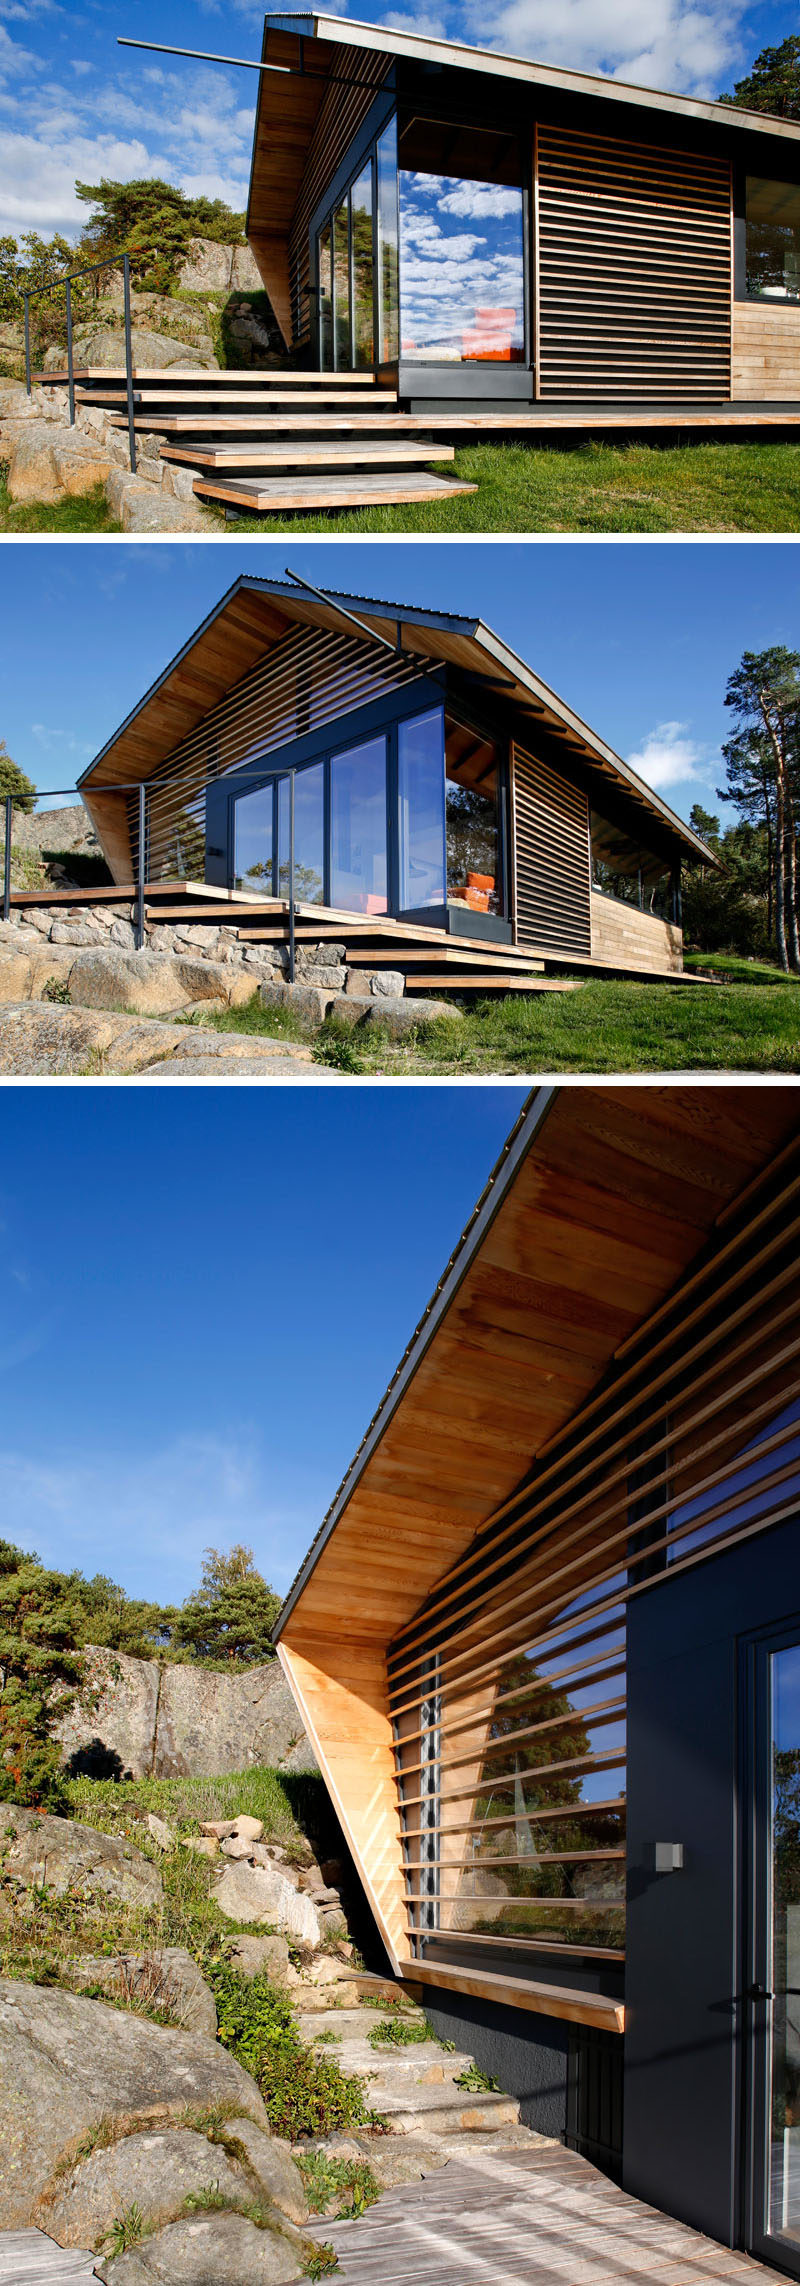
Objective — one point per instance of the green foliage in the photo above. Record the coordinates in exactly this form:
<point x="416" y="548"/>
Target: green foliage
<point x="398" y="2032"/>
<point x="153" y="221"/>
<point x="35" y="265"/>
<point x="15" y="782"/>
<point x="477" y="2081"/>
<point x="774" y="83"/>
<point x="56" y="989"/>
<point x="322" y="2261"/>
<point x="232" y="1613"/>
<point x="41" y="1674"/>
<point x="127" y="2229"/>
<point x="334" y="1047"/>
<point x="304" y="2094"/>
<point x="349" y="2184"/>
<point x="208" y="2200"/>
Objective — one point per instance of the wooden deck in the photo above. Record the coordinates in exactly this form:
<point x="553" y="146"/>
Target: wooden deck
<point x="519" y="2217"/>
<point x="29" y="2258"/>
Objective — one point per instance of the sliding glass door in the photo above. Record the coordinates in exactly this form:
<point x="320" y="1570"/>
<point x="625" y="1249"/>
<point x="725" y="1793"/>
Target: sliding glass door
<point x="773" y="1994"/>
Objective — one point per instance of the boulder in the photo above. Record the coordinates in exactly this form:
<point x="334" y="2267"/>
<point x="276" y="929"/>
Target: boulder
<point x="272" y="2165"/>
<point x="261" y="1893"/>
<point x="386" y="983"/>
<point x="88" y="1043"/>
<point x="261" y="1956"/>
<point x="102" y="346"/>
<point x="248" y="1829"/>
<point x="218" y="1828"/>
<point x="209" y="2250"/>
<point x="147" y="983"/>
<point x="166" y="1978"/>
<point x="38" y="1851"/>
<point x="32" y="472"/>
<point x="203" y="1845"/>
<point x="80" y="465"/>
<point x="308" y="1003"/>
<point x="140" y="505"/>
<point x="237" y="1848"/>
<point x="206" y="267"/>
<point x="156" y="2171"/>
<point x="66" y="2063"/>
<point x="400" y="1016"/>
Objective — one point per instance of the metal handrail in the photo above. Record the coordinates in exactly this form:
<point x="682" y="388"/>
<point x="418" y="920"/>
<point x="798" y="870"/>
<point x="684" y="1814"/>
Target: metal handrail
<point x="141" y="853"/>
<point x="42" y="293"/>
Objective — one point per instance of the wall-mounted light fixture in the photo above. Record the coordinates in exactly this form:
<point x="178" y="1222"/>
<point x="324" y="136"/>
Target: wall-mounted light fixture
<point x="668" y="1857"/>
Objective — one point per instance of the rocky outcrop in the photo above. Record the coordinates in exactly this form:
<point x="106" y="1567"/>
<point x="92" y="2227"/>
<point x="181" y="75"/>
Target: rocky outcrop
<point x="249" y="1892"/>
<point x="210" y="2250"/>
<point x="156" y="2171"/>
<point x="57" y="1853"/>
<point x="40" y="1041"/>
<point x="56" y="831"/>
<point x="176" y="1722"/>
<point x="210" y="268"/>
<point x="67" y="2064"/>
<point x="100" y="346"/>
<point x="167" y="1979"/>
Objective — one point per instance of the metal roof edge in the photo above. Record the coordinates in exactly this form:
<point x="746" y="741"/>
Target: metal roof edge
<point x="526" y="1127"/>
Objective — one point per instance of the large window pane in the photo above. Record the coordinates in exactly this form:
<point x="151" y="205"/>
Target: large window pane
<point x="784" y="1976"/>
<point x="623" y="868"/>
<point x="358" y="828"/>
<point x="324" y="257"/>
<point x="388" y="318"/>
<point x="253" y="842"/>
<point x="341" y="287"/>
<point x="462" y="294"/>
<point x="309" y="836"/>
<point x="420" y="769"/>
<point x="474" y="874"/>
<point x="363" y="298"/>
<point x="773" y="240"/>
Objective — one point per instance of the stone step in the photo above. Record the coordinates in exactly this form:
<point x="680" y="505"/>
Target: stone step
<point x="414" y="2087"/>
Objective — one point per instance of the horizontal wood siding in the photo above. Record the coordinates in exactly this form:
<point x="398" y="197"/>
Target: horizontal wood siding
<point x="551" y="858"/>
<point x="342" y="112"/>
<point x="626" y="938"/>
<point x="766" y="351"/>
<point x="634" y="270"/>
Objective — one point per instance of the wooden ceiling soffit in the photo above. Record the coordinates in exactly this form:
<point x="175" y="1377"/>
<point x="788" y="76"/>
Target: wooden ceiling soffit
<point x="617" y="1196"/>
<point x="286" y="116"/>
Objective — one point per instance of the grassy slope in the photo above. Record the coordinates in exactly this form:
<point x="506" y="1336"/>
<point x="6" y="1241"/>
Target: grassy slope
<point x="604" y="1027"/>
<point x="731" y="487"/>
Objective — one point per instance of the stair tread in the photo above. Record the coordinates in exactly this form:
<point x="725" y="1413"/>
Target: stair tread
<point x="263" y="493"/>
<point x="400" y="450"/>
<point x="510" y="982"/>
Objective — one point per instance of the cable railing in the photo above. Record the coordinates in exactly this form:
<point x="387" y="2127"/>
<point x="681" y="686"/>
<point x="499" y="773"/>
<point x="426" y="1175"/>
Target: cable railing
<point x="54" y="286"/>
<point x="135" y="796"/>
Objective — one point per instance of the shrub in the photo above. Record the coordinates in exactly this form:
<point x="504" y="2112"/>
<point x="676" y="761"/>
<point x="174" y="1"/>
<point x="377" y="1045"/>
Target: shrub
<point x="304" y="2094"/>
<point x="349" y="2181"/>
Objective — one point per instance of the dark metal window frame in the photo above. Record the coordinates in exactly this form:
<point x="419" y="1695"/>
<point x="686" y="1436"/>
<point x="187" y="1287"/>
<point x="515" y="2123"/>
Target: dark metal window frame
<point x="361" y="152"/>
<point x="740" y="293"/>
<point x="755" y="1892"/>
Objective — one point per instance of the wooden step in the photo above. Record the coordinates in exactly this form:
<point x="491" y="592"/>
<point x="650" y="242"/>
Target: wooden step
<point x="494" y="983"/>
<point x="336" y="453"/>
<point x="176" y="400"/>
<point x="268" y="495"/>
<point x="447" y="955"/>
<point x="254" y="377"/>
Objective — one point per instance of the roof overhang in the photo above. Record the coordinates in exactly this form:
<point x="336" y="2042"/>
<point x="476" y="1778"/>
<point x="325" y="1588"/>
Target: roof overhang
<point x="255" y="614"/>
<point x="603" y="1198"/>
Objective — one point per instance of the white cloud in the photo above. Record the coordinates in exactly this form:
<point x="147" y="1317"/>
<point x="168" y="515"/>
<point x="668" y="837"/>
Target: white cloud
<point x="670" y="757"/>
<point x="37" y="185"/>
<point x="657" y="43"/>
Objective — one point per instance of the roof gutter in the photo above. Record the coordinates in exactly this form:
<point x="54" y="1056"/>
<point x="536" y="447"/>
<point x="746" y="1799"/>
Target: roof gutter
<point x="531" y="1120"/>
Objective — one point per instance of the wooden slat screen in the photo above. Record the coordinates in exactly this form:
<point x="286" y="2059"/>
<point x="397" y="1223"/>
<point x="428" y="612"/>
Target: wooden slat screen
<point x="634" y="270"/>
<point x="310" y="678"/>
<point x="552" y="884"/>
<point x="342" y="111"/>
<point x="508" y="1688"/>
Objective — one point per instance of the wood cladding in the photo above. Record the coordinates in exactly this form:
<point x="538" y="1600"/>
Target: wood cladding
<point x="766" y="351"/>
<point x="342" y="111"/>
<point x="507" y="1690"/>
<point x="633" y="270"/>
<point x="551" y="858"/>
<point x="624" y="937"/>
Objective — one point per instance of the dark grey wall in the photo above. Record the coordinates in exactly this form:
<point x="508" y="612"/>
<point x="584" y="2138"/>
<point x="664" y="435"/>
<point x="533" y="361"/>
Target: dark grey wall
<point x="684" y="2009"/>
<point x="527" y="2054"/>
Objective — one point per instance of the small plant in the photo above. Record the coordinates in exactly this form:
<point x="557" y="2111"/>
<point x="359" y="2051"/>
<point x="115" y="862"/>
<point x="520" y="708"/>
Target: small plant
<point x="127" y="2229"/>
<point x="57" y="990"/>
<point x="328" y="2039"/>
<point x="333" y="1046"/>
<point x="348" y="2181"/>
<point x="323" y="2260"/>
<point x="305" y="2094"/>
<point x="449" y="2047"/>
<point x="208" y="2200"/>
<point x="398" y="2032"/>
<point x="479" y="2082"/>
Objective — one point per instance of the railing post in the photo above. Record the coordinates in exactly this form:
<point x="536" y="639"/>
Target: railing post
<point x="70" y="365"/>
<point x="27" y="301"/>
<point x="9" y="810"/>
<point x="291" y="877"/>
<point x="140" y="869"/>
<point x="126" y="287"/>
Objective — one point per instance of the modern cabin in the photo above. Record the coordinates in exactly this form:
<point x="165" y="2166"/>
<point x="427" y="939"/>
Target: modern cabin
<point x="481" y="231"/>
<point x="547" y="1646"/>
<point x="389" y="765"/>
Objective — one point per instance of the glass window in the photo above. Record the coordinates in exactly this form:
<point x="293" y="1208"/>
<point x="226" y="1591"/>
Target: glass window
<point x="420" y="774"/>
<point x="773" y="240"/>
<point x="363" y="298"/>
<point x="358" y="828"/>
<point x="341" y="287"/>
<point x="309" y="836"/>
<point x="388" y="316"/>
<point x="473" y="821"/>
<point x="325" y="299"/>
<point x="253" y="842"/>
<point x="462" y="270"/>
<point x="622" y="868"/>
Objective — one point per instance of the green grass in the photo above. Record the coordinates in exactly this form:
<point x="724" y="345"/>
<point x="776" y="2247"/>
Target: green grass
<point x="605" y="1026"/>
<point x="285" y="1803"/>
<point x="733" y="486"/>
<point x="87" y="512"/>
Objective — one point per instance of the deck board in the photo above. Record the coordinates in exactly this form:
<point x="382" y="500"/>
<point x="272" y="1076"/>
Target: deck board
<point x="30" y="2258"/>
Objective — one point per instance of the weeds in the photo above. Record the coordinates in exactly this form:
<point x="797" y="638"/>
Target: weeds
<point x="304" y="2094"/>
<point x="398" y="2032"/>
<point x="323" y="2260"/>
<point x="209" y="2200"/>
<point x="127" y="2229"/>
<point x="56" y="989"/>
<point x="350" y="2182"/>
<point x="477" y="2081"/>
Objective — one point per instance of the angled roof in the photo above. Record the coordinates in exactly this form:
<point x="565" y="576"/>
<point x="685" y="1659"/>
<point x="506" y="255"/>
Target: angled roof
<point x="604" y="1196"/>
<point x="254" y="614"/>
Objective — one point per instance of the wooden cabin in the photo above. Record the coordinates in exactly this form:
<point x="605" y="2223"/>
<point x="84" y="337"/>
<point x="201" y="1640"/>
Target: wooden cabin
<point x="435" y="781"/>
<point x="482" y="231"/>
<point x="547" y="1645"/>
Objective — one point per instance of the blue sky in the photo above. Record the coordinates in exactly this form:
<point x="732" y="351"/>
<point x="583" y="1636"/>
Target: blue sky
<point x="204" y="1296"/>
<point x="73" y="104"/>
<point x="639" y="638"/>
